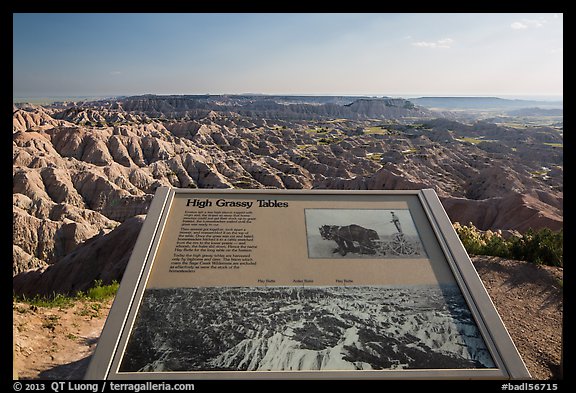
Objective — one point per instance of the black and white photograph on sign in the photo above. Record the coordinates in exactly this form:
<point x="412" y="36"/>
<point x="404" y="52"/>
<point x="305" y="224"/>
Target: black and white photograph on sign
<point x="362" y="233"/>
<point x="295" y="328"/>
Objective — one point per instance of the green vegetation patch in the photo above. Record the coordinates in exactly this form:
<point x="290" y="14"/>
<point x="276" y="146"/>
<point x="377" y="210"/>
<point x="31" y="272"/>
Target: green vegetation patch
<point x="54" y="301"/>
<point x="304" y="147"/>
<point x="314" y="130"/>
<point x="538" y="173"/>
<point x="473" y="141"/>
<point x="242" y="183"/>
<point x="97" y="293"/>
<point x="100" y="292"/>
<point x="379" y="130"/>
<point x="543" y="247"/>
<point x="374" y="156"/>
<point x="328" y="140"/>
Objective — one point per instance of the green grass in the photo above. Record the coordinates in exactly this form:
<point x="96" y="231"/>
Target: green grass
<point x="100" y="292"/>
<point x="374" y="156"/>
<point x="242" y="184"/>
<point x="376" y="130"/>
<point x="474" y="141"/>
<point x="304" y="147"/>
<point x="328" y="140"/>
<point x="554" y="144"/>
<point x="538" y="173"/>
<point x="314" y="130"/>
<point x="97" y="293"/>
<point x="518" y="126"/>
<point x="54" y="301"/>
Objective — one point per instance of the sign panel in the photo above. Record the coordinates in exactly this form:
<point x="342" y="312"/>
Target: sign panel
<point x="301" y="284"/>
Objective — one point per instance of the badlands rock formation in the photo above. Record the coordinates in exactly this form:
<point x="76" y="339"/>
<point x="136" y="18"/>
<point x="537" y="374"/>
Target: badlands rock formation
<point x="81" y="172"/>
<point x="102" y="257"/>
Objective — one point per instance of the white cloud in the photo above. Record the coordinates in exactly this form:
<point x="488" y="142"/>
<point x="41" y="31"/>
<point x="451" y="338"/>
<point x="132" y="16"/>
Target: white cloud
<point x="518" y="26"/>
<point x="527" y="23"/>
<point x="443" y="43"/>
<point x="115" y="72"/>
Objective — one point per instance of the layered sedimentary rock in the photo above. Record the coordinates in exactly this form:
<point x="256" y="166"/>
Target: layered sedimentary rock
<point x="80" y="171"/>
<point x="102" y="257"/>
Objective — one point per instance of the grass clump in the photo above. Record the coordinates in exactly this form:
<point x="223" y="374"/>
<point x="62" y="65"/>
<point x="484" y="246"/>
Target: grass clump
<point x="378" y="130"/>
<point x="97" y="293"/>
<point x="57" y="300"/>
<point x="100" y="292"/>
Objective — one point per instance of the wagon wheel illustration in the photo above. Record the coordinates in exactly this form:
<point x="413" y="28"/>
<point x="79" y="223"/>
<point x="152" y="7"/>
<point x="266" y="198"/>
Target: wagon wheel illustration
<point x="399" y="245"/>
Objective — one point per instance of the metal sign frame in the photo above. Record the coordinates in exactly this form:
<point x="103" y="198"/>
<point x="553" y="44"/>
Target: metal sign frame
<point x="105" y="364"/>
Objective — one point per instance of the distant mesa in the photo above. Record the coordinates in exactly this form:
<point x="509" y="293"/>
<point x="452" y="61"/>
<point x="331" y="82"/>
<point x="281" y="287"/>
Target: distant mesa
<point x="483" y="103"/>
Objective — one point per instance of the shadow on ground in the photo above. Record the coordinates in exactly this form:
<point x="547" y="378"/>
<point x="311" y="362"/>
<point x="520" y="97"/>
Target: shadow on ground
<point x="70" y="371"/>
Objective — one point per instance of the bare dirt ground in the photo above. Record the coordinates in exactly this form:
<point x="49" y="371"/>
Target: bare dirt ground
<point x="56" y="343"/>
<point x="52" y="343"/>
<point x="529" y="300"/>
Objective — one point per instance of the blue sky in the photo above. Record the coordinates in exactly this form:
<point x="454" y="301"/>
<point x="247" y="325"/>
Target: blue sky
<point x="93" y="54"/>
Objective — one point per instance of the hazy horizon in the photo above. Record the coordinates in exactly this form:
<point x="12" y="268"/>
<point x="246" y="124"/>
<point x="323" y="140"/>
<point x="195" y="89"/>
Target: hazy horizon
<point x="398" y="55"/>
<point x="45" y="99"/>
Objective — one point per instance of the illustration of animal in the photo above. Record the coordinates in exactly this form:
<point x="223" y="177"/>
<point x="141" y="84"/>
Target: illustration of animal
<point x="347" y="236"/>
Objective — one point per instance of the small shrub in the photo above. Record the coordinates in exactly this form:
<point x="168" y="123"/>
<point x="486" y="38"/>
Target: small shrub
<point x="542" y="247"/>
<point x="496" y="245"/>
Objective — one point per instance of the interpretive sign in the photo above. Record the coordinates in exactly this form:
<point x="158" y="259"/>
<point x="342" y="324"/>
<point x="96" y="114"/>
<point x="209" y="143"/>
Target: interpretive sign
<point x="233" y="284"/>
